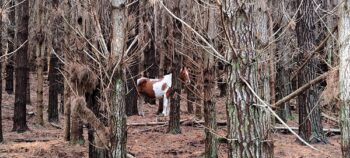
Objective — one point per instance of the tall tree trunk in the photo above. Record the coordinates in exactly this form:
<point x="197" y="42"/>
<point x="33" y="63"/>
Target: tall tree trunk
<point x="344" y="76"/>
<point x="75" y="11"/>
<point x="248" y="125"/>
<point x="55" y="82"/>
<point x="133" y="69"/>
<point x="175" y="26"/>
<point x="1" y="50"/>
<point x="95" y="151"/>
<point x="284" y="45"/>
<point x="211" y="143"/>
<point x="53" y="90"/>
<point x="310" y="125"/>
<point x="20" y="111"/>
<point x="11" y="47"/>
<point x="150" y="54"/>
<point x="211" y="148"/>
<point x="117" y="108"/>
<point x="40" y="49"/>
<point x="39" y="38"/>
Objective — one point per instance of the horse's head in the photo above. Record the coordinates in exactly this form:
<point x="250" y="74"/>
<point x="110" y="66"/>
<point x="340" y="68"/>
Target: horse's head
<point x="184" y="75"/>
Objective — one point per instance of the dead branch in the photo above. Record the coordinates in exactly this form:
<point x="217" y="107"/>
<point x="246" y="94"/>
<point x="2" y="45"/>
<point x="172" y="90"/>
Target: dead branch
<point x="332" y="130"/>
<point x="330" y="117"/>
<point x="55" y="125"/>
<point x="276" y="116"/>
<point x="185" y="122"/>
<point x="30" y="140"/>
<point x="301" y="89"/>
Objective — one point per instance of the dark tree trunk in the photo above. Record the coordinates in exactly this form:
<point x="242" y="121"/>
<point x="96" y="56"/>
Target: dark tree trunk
<point x="222" y="85"/>
<point x="56" y="85"/>
<point x="131" y="108"/>
<point x="150" y="54"/>
<point x="310" y="125"/>
<point x="211" y="148"/>
<point x="174" y="121"/>
<point x="20" y="111"/>
<point x="191" y="98"/>
<point x="53" y="90"/>
<point x="11" y="47"/>
<point x="1" y="40"/>
<point x="92" y="103"/>
<point x="28" y="85"/>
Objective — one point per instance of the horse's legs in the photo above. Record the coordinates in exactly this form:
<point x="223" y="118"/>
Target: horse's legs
<point x="165" y="104"/>
<point x="168" y="107"/>
<point x="140" y="105"/>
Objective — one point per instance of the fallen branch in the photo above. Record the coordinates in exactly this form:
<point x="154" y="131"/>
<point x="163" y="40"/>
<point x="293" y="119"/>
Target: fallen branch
<point x="276" y="116"/>
<point x="29" y="140"/>
<point x="301" y="89"/>
<point x="153" y="123"/>
<point x="185" y="122"/>
<point x="332" y="130"/>
<point x="330" y="117"/>
<point x="55" y="125"/>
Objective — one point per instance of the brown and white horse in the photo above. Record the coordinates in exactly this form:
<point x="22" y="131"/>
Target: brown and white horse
<point x="158" y="88"/>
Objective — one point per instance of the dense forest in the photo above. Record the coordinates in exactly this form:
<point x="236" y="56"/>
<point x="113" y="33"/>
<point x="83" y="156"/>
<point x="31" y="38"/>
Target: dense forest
<point x="175" y="78"/>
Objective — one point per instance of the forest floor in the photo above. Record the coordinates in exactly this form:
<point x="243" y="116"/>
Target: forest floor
<point x="143" y="141"/>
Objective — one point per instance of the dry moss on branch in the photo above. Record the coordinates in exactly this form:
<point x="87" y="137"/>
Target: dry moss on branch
<point x="82" y="77"/>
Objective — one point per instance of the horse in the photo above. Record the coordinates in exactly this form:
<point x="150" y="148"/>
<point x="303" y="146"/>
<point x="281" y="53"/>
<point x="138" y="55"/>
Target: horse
<point x="159" y="88"/>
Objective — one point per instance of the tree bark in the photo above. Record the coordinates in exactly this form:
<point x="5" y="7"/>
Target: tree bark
<point x="248" y="125"/>
<point x="344" y="76"/>
<point x="117" y="108"/>
<point x="133" y="68"/>
<point x="310" y="125"/>
<point x="53" y="90"/>
<point x="211" y="148"/>
<point x="39" y="38"/>
<point x="20" y="111"/>
<point x="11" y="47"/>
<point x="1" y="50"/>
<point x="150" y="55"/>
<point x="175" y="26"/>
<point x="95" y="151"/>
<point x="209" y="71"/>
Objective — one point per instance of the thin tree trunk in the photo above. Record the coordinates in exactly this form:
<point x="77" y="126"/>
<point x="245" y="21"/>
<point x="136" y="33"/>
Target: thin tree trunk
<point x="175" y="26"/>
<point x="40" y="55"/>
<point x="133" y="69"/>
<point x="95" y="151"/>
<point x="211" y="142"/>
<point x="117" y="108"/>
<point x="248" y="125"/>
<point x="11" y="47"/>
<point x="40" y="80"/>
<point x="344" y="77"/>
<point x="28" y="85"/>
<point x="150" y="62"/>
<point x="310" y="125"/>
<point x="67" y="112"/>
<point x="1" y="50"/>
<point x="20" y="111"/>
<point x="53" y="90"/>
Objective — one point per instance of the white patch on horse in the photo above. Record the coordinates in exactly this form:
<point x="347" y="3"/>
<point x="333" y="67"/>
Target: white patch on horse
<point x="157" y="87"/>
